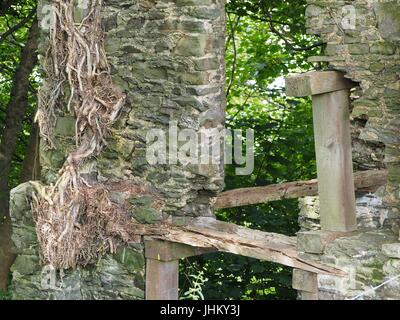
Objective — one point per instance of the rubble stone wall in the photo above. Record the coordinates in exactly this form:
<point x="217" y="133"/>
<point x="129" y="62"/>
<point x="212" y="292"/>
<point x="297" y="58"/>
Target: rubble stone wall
<point x="168" y="58"/>
<point x="362" y="39"/>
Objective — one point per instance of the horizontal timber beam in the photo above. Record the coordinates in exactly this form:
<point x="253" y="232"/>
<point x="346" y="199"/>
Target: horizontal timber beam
<point x="209" y="233"/>
<point x="316" y="83"/>
<point x="170" y="251"/>
<point x="363" y="180"/>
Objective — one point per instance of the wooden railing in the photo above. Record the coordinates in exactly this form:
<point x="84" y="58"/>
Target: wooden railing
<point x="366" y="181"/>
<point x="204" y="235"/>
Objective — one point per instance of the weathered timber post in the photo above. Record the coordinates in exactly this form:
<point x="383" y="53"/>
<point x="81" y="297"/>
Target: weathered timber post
<point x="162" y="267"/>
<point x="330" y="93"/>
<point x="162" y="279"/>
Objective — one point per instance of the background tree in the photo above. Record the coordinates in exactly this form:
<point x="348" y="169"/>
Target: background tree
<point x="18" y="45"/>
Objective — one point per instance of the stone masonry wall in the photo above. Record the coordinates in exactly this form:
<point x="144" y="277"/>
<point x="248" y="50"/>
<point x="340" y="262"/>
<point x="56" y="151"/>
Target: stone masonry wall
<point x="370" y="210"/>
<point x="362" y="39"/>
<point x="117" y="276"/>
<point x="168" y="58"/>
<point x="369" y="54"/>
<point x="370" y="257"/>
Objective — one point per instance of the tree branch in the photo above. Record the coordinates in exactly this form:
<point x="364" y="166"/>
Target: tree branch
<point x="18" y="25"/>
<point x="280" y="35"/>
<point x="232" y="36"/>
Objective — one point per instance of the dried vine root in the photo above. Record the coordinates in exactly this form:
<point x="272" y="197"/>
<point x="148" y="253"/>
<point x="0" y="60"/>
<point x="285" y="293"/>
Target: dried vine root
<point x="76" y="222"/>
<point x="88" y="225"/>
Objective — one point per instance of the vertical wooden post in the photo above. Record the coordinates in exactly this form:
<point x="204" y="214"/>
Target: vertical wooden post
<point x="334" y="161"/>
<point x="330" y="93"/>
<point x="162" y="271"/>
<point x="162" y="279"/>
<point x="162" y="267"/>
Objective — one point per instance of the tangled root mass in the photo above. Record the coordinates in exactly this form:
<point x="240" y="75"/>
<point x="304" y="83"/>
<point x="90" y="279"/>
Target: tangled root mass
<point x="75" y="220"/>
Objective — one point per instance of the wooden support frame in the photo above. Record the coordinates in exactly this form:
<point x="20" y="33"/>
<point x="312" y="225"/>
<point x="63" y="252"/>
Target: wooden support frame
<point x="162" y="279"/>
<point x="162" y="267"/>
<point x="330" y="92"/>
<point x="316" y="82"/>
<point x="336" y="189"/>
<point x="169" y="251"/>
<point x="206" y="234"/>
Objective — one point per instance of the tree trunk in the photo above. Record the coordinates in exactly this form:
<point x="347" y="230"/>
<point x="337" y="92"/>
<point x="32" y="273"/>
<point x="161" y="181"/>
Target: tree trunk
<point x="16" y="110"/>
<point x="30" y="165"/>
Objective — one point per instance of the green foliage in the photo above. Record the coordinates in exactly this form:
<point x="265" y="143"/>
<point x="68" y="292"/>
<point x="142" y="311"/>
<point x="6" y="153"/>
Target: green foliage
<point x="196" y="283"/>
<point x="10" y="49"/>
<point x="7" y="295"/>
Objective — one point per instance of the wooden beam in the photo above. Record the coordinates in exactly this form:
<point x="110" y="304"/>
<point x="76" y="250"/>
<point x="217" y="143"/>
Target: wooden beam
<point x="330" y="92"/>
<point x="363" y="180"/>
<point x="170" y="251"/>
<point x="205" y="232"/>
<point x="316" y="82"/>
<point x="334" y="161"/>
<point x="162" y="279"/>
